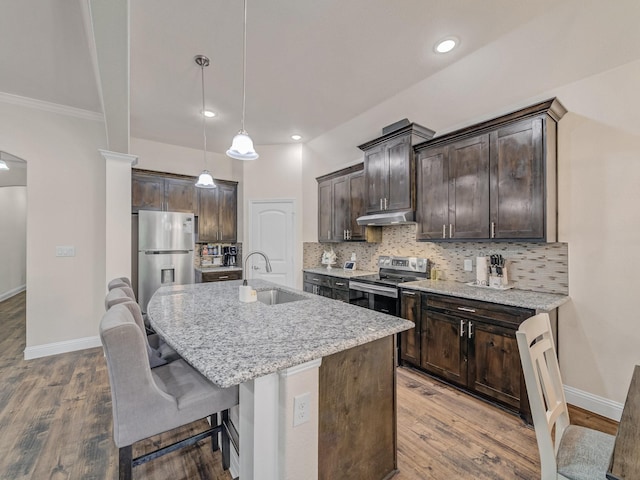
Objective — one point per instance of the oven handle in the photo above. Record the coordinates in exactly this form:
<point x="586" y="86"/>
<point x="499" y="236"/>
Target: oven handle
<point x="375" y="289"/>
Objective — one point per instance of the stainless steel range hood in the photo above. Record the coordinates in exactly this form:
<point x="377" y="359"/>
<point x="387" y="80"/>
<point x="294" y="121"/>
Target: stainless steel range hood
<point x="390" y="218"/>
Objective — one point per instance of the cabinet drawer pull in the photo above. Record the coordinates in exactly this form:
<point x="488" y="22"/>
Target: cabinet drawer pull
<point x="315" y="279"/>
<point x="380" y="203"/>
<point x="340" y="284"/>
<point x="450" y="231"/>
<point x="223" y="277"/>
<point x="328" y="233"/>
<point x="493" y="229"/>
<point x="411" y="294"/>
<point x="466" y="309"/>
<point x="444" y="231"/>
<point x="385" y="203"/>
<point x="470" y="329"/>
<point x="462" y="328"/>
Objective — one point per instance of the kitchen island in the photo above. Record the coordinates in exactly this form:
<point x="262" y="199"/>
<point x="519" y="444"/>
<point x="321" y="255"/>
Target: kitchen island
<point x="330" y="356"/>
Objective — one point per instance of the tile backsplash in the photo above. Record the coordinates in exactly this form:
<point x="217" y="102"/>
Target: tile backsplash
<point x="540" y="267"/>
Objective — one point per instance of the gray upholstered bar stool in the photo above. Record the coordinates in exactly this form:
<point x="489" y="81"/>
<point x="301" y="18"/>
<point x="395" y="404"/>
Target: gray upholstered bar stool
<point x="148" y="402"/>
<point x="159" y="352"/>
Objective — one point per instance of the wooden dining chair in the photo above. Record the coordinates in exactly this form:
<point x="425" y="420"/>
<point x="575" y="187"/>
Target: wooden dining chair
<point x="148" y="402"/>
<point x="568" y="452"/>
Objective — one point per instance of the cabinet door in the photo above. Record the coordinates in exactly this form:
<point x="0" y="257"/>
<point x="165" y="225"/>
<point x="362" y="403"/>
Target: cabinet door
<point x="444" y="346"/>
<point x="432" y="210"/>
<point x="410" y="339"/>
<point x="356" y="206"/>
<point x="494" y="363"/>
<point x="377" y="175"/>
<point x="340" y="207"/>
<point x="180" y="195"/>
<point x="208" y="215"/>
<point x="517" y="180"/>
<point x="400" y="188"/>
<point x="468" y="162"/>
<point x="227" y="212"/>
<point x="147" y="192"/>
<point x="325" y="202"/>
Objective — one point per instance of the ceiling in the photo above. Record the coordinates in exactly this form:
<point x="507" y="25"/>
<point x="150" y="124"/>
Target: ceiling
<point x="311" y="65"/>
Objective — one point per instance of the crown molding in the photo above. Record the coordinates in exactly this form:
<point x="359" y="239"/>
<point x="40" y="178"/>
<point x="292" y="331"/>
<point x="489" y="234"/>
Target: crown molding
<point x="50" y="107"/>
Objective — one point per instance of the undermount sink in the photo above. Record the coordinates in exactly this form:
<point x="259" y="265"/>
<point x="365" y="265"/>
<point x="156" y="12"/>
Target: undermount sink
<point x="275" y="296"/>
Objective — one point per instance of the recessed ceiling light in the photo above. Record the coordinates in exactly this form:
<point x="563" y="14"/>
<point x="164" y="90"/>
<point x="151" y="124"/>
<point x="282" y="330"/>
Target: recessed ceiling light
<point x="446" y="45"/>
<point x="209" y="114"/>
<point x="296" y="137"/>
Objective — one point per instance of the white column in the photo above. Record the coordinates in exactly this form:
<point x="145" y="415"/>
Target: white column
<point x="271" y="448"/>
<point x="118" y="213"/>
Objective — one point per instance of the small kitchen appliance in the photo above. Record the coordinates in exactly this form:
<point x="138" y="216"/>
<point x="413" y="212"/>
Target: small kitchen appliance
<point x="380" y="292"/>
<point x="230" y="256"/>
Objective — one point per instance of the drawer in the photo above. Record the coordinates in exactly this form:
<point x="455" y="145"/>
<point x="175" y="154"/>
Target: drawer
<point x="477" y="310"/>
<point x="221" y="276"/>
<point x="340" y="283"/>
<point x="322" y="280"/>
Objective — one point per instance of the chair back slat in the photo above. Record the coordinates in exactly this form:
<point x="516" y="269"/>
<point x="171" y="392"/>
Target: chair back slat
<point x="544" y="386"/>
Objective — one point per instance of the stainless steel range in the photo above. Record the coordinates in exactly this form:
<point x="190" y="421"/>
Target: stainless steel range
<point x="380" y="292"/>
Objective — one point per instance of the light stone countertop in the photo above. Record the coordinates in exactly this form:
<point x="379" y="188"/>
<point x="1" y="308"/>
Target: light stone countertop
<point x="338" y="272"/>
<point x="543" y="302"/>
<point x="217" y="268"/>
<point x="231" y="342"/>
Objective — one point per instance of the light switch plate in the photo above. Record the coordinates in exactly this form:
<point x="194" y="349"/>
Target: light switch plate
<point x="65" y="251"/>
<point x="468" y="265"/>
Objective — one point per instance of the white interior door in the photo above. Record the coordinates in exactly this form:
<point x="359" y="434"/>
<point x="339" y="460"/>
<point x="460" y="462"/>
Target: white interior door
<point x="271" y="230"/>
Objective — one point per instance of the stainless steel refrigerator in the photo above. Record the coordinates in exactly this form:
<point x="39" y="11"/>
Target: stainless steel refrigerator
<point x="165" y="252"/>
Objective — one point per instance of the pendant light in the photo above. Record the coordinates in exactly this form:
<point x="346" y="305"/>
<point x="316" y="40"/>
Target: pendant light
<point x="242" y="145"/>
<point x="205" y="180"/>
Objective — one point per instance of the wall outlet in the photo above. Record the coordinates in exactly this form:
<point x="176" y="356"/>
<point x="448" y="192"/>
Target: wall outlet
<point x="468" y="265"/>
<point x="65" y="251"/>
<point x="301" y="409"/>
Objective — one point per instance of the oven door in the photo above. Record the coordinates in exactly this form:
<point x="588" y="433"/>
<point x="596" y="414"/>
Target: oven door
<point x="374" y="297"/>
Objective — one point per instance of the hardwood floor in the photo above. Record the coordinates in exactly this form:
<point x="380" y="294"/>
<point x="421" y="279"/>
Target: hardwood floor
<point x="55" y="419"/>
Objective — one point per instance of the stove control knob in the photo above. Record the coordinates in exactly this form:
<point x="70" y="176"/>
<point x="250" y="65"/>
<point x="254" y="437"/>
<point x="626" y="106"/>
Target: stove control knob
<point x="387" y="261"/>
<point x="421" y="262"/>
<point x="412" y="264"/>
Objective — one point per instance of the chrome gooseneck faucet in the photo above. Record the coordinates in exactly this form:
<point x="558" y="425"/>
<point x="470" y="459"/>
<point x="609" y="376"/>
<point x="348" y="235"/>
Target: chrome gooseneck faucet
<point x="246" y="262"/>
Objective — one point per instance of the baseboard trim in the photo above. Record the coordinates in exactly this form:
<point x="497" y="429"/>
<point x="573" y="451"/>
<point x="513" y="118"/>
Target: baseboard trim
<point x="67" y="346"/>
<point x="10" y="293"/>
<point x="593" y="403"/>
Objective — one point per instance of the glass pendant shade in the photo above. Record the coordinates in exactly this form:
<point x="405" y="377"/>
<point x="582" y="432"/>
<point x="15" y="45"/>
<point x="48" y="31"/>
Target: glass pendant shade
<point x="242" y="147"/>
<point x="205" y="180"/>
<point x="3" y="165"/>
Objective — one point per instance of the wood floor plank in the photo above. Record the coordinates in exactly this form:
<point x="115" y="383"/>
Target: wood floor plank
<point x="55" y="423"/>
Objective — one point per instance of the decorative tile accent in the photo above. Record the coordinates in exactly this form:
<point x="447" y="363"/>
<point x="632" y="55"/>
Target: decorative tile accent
<point x="540" y="267"/>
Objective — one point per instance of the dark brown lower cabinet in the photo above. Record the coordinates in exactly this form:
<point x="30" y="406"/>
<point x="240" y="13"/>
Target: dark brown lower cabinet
<point x="203" y="277"/>
<point x="468" y="343"/>
<point x="326" y="286"/>
<point x="357" y="413"/>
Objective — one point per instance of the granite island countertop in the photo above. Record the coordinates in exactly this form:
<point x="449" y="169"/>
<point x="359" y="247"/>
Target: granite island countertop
<point x="543" y="302"/>
<point x="231" y="342"/>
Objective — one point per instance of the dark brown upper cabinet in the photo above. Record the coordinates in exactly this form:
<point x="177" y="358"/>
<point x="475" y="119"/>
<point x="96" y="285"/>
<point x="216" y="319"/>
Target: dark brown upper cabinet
<point x="491" y="181"/>
<point x="163" y="192"/>
<point x="340" y="203"/>
<point x="389" y="169"/>
<point x="218" y="213"/>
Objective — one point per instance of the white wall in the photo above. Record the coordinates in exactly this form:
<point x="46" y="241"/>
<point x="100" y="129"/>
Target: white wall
<point x="13" y="240"/>
<point x="65" y="191"/>
<point x="599" y="194"/>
